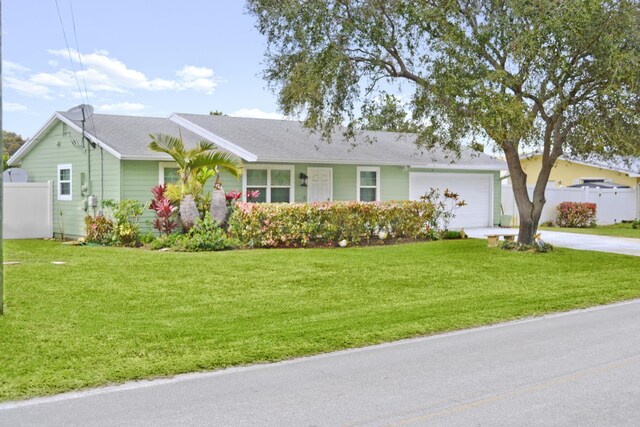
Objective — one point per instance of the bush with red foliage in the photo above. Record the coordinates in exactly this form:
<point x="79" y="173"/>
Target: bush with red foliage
<point x="577" y="215"/>
<point x="165" y="211"/>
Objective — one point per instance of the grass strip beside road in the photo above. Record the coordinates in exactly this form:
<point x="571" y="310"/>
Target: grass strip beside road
<point x="110" y="314"/>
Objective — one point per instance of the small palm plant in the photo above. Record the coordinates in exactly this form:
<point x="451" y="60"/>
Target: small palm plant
<point x="190" y="163"/>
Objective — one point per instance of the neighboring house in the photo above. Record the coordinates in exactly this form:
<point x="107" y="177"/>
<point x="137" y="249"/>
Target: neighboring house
<point x="283" y="160"/>
<point x="597" y="177"/>
<point x="569" y="172"/>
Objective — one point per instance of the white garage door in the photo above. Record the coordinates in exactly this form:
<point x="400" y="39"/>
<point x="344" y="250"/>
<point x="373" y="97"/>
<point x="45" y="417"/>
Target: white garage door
<point x="474" y="188"/>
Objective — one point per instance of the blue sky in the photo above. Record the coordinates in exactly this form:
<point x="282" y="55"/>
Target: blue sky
<point x="141" y="57"/>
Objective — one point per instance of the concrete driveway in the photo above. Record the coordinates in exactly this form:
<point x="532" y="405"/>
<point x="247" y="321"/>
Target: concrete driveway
<point x="580" y="368"/>
<point x="585" y="242"/>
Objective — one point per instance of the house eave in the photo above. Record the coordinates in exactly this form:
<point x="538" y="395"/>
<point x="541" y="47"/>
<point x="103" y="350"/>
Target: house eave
<point x="364" y="162"/>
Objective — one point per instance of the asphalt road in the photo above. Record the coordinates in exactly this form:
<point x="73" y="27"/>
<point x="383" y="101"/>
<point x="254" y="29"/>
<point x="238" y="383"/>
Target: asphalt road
<point x="580" y="368"/>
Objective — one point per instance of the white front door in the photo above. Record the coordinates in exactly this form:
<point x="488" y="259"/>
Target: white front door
<point x="320" y="184"/>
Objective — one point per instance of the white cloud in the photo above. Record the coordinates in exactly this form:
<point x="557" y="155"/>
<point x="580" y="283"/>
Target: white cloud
<point x="256" y="113"/>
<point x="197" y="78"/>
<point x="121" y="107"/>
<point x="12" y="107"/>
<point x="11" y="68"/>
<point x="28" y="88"/>
<point x="102" y="73"/>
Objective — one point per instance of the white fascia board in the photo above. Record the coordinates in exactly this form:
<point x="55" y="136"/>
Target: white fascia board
<point x="219" y="141"/>
<point x="166" y="158"/>
<point x="460" y="166"/>
<point x="91" y="138"/>
<point x="26" y="147"/>
<point x="381" y="163"/>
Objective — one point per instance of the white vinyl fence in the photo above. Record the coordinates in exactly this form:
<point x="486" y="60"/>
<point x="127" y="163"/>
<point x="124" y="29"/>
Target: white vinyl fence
<point x="27" y="210"/>
<point x="612" y="205"/>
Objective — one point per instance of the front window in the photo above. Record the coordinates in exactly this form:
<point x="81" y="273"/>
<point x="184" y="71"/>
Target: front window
<point x="368" y="184"/>
<point x="168" y="173"/>
<point x="64" y="182"/>
<point x="275" y="183"/>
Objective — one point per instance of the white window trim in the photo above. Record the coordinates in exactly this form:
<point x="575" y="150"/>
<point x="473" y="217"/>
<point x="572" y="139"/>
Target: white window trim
<point x="269" y="168"/>
<point x="161" y="166"/>
<point x="368" y="169"/>
<point x="59" y="185"/>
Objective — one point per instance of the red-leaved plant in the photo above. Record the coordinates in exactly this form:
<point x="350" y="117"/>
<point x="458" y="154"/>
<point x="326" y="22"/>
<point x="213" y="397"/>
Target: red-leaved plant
<point x="165" y="211"/>
<point x="234" y="195"/>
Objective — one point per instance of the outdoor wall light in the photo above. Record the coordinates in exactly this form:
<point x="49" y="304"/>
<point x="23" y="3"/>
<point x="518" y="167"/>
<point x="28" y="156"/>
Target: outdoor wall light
<point x="303" y="179"/>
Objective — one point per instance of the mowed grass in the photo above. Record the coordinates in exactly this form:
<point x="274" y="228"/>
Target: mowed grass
<point x="617" y="230"/>
<point x="112" y="314"/>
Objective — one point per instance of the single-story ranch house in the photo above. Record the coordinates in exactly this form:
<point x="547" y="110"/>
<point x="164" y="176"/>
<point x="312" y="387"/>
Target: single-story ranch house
<point x="282" y="159"/>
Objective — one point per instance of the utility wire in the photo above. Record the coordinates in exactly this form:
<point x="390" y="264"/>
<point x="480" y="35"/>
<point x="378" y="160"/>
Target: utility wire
<point x="84" y="82"/>
<point x="73" y="66"/>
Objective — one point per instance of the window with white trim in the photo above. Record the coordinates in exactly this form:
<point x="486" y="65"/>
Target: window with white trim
<point x="65" y="178"/>
<point x="168" y="173"/>
<point x="368" y="184"/>
<point x="275" y="183"/>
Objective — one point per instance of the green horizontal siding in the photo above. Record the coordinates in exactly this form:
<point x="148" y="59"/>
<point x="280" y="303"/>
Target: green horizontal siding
<point x="56" y="147"/>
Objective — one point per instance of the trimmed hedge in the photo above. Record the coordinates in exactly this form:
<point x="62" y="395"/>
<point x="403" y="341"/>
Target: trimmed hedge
<point x="327" y="223"/>
<point x="577" y="215"/>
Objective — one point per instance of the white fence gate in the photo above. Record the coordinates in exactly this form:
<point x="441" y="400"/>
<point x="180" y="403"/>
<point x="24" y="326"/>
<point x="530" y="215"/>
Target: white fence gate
<point x="613" y="205"/>
<point x="27" y="210"/>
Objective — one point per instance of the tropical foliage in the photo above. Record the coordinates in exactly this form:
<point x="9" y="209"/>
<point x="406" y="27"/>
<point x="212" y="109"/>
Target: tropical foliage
<point x="195" y="166"/>
<point x="165" y="210"/>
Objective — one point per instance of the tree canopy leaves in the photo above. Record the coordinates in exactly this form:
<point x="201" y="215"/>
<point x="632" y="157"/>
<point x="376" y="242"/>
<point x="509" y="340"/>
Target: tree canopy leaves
<point x="560" y="77"/>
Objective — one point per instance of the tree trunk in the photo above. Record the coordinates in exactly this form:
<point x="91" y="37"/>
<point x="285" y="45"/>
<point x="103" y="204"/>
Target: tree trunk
<point x="188" y="212"/>
<point x="218" y="207"/>
<point x="529" y="211"/>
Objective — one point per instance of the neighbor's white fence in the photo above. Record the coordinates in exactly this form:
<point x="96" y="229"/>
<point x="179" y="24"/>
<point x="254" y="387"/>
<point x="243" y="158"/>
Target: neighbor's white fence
<point x="613" y="205"/>
<point x="27" y="210"/>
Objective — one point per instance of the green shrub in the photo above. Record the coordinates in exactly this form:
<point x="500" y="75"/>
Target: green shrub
<point x="537" y="247"/>
<point x="303" y="224"/>
<point x="164" y="241"/>
<point x="206" y="235"/>
<point x="98" y="230"/>
<point x="635" y="224"/>
<point x="451" y="235"/>
<point x="578" y="215"/>
<point x="126" y="215"/>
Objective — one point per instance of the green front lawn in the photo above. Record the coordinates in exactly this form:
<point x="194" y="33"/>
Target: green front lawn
<point x="618" y="230"/>
<point x="112" y="314"/>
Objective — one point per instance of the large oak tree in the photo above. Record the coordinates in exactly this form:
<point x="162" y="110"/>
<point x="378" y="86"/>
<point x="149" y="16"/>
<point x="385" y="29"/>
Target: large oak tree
<point x="560" y="77"/>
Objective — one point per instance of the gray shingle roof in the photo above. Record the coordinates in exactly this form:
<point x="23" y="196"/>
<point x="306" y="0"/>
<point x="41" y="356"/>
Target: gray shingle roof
<point x="129" y="135"/>
<point x="263" y="140"/>
<point x="289" y="141"/>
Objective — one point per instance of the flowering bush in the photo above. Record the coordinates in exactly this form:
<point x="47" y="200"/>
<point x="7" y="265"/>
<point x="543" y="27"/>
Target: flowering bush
<point x="574" y="214"/>
<point x="326" y="223"/>
<point x="445" y="206"/>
